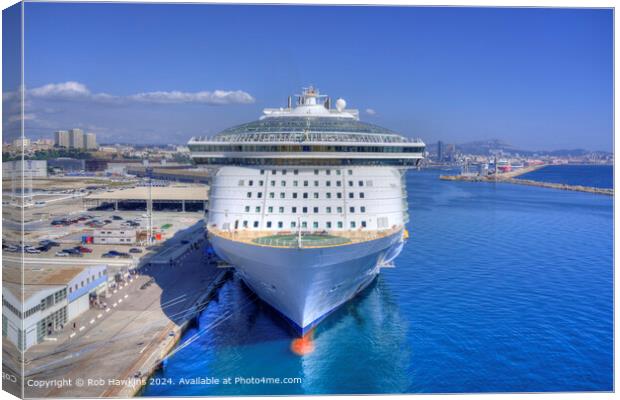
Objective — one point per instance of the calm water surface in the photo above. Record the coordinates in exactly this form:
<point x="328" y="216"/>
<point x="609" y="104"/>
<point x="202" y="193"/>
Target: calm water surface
<point x="500" y="288"/>
<point x="601" y="176"/>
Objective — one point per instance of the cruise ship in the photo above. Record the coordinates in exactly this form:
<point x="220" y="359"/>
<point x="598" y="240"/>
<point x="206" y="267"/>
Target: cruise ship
<point x="307" y="203"/>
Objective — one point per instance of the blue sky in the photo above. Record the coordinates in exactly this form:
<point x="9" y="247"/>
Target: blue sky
<point x="536" y="78"/>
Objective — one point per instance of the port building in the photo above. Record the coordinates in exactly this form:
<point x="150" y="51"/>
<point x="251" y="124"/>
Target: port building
<point x="49" y="298"/>
<point x="178" y="198"/>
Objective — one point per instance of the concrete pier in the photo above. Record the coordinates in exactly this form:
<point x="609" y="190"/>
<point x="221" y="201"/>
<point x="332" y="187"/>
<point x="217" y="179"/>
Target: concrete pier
<point x="112" y="353"/>
<point x="510" y="177"/>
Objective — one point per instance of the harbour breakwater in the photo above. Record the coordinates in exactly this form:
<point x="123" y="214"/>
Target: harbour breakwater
<point x="511" y="177"/>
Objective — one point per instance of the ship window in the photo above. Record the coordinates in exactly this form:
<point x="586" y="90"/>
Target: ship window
<point x="295" y="195"/>
<point x="339" y="224"/>
<point x="294" y="209"/>
<point x="368" y="183"/>
<point x="247" y="208"/>
<point x="280" y="224"/>
<point x="316" y="172"/>
<point x="316" y="195"/>
<point x="338" y="183"/>
<point x="316" y="209"/>
<point x="362" y="209"/>
<point x="261" y="183"/>
<point x="255" y="224"/>
<point x="272" y="195"/>
<point x="316" y="183"/>
<point x="273" y="183"/>
<point x="315" y="224"/>
<point x="304" y="210"/>
<point x="363" y="224"/>
<point x="328" y="195"/>
<point x="283" y="172"/>
<point x="304" y="224"/>
<point x="350" y="172"/>
<point x="295" y="183"/>
<point x="281" y="209"/>
<point x="361" y="195"/>
<point x="257" y="209"/>
<point x="328" y="225"/>
<point x="338" y="172"/>
<point x="273" y="172"/>
<point x="352" y="224"/>
<point x="296" y="172"/>
<point x="268" y="224"/>
<point x="241" y="182"/>
<point x="351" y="195"/>
<point x="249" y="195"/>
<point x="283" y="183"/>
<point x="328" y="183"/>
<point x="250" y="183"/>
<point x="270" y="209"/>
<point x="339" y="195"/>
<point x="328" y="172"/>
<point x="281" y="195"/>
<point x="328" y="210"/>
<point x="293" y="224"/>
<point x="262" y="172"/>
<point x="360" y="183"/>
<point x="260" y="195"/>
<point x="305" y="183"/>
<point x="245" y="224"/>
<point x="305" y="195"/>
<point x="352" y="209"/>
<point x="350" y="183"/>
<point x="339" y="209"/>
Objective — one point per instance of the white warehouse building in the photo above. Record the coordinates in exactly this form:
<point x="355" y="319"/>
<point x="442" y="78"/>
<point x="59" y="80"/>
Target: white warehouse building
<point x="52" y="297"/>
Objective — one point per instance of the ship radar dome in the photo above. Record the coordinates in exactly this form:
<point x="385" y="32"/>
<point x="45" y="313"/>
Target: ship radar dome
<point x="341" y="104"/>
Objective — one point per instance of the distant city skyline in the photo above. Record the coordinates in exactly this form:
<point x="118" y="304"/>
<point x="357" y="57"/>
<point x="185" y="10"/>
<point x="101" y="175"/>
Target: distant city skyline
<point x="539" y="79"/>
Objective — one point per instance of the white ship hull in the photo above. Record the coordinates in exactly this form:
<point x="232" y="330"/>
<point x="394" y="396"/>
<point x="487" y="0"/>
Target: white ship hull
<point x="306" y="284"/>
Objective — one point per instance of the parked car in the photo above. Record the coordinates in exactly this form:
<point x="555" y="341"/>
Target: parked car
<point x="117" y="217"/>
<point x="83" y="249"/>
<point x="62" y="254"/>
<point x="114" y="254"/>
<point x="135" y="250"/>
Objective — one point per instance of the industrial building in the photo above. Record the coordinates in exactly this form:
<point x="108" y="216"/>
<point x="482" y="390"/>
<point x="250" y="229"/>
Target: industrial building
<point x="67" y="164"/>
<point x="25" y="168"/>
<point x="114" y="236"/>
<point x="49" y="298"/>
<point x="178" y="198"/>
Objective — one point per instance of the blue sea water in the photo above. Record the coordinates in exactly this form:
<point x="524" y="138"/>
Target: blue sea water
<point x="600" y="176"/>
<point x="501" y="288"/>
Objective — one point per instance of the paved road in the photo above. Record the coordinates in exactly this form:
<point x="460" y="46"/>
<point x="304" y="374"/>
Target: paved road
<point x="106" y="343"/>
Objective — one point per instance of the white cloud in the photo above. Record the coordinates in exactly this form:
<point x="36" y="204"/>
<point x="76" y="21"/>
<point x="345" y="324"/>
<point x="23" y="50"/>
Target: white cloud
<point x="217" y="97"/>
<point x="370" y="111"/>
<point x="65" y="90"/>
<point x="78" y="91"/>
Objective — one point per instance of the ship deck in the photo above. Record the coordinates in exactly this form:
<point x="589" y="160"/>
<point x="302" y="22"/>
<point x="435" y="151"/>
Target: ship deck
<point x="288" y="239"/>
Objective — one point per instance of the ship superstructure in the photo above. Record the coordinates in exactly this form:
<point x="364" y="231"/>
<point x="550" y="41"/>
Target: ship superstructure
<point x="308" y="203"/>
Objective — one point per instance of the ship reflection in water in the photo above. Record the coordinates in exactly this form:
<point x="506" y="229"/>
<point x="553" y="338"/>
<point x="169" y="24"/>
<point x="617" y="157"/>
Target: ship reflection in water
<point x="239" y="336"/>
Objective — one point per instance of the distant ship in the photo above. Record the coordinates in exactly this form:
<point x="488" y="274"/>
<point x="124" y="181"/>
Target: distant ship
<point x="308" y="203"/>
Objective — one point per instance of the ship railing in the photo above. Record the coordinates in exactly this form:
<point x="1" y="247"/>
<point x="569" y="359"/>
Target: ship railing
<point x="288" y="239"/>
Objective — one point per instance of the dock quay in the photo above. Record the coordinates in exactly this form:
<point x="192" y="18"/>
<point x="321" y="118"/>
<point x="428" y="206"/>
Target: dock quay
<point x="112" y="353"/>
<point x="511" y="177"/>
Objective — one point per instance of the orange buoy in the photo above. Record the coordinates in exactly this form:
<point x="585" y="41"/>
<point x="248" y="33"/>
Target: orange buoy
<point x="303" y="345"/>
